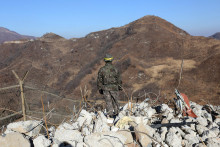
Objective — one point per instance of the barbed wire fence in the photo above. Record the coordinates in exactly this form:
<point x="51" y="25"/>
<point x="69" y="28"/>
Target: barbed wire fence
<point x="31" y="108"/>
<point x="57" y="108"/>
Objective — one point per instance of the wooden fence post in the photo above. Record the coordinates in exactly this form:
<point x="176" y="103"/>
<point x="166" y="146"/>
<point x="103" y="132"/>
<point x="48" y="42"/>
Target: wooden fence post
<point x="21" y="84"/>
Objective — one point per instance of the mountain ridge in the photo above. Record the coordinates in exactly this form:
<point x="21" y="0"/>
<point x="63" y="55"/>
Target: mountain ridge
<point x="216" y="36"/>
<point x="148" y="55"/>
<point x="7" y="35"/>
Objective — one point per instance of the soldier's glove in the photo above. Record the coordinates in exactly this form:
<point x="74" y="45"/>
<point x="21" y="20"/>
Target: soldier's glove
<point x="100" y="91"/>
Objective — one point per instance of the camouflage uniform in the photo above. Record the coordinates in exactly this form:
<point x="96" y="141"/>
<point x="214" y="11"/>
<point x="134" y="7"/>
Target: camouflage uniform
<point x="109" y="84"/>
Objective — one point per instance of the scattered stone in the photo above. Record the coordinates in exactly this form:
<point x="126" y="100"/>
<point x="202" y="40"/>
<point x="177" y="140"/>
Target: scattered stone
<point x="84" y="118"/>
<point x="69" y="136"/>
<point x="81" y="144"/>
<point x="202" y="121"/>
<point x="213" y="142"/>
<point x="14" y="140"/>
<point x="217" y="121"/>
<point x="96" y="130"/>
<point x="127" y="135"/>
<point x="141" y="132"/>
<point x="192" y="140"/>
<point x="140" y="119"/>
<point x="163" y="133"/>
<point x="30" y="127"/>
<point x="200" y="129"/>
<point x="173" y="140"/>
<point x="164" y="121"/>
<point x="150" y="112"/>
<point x="41" y="141"/>
<point x="208" y="134"/>
<point x="105" y="139"/>
<point x="175" y="120"/>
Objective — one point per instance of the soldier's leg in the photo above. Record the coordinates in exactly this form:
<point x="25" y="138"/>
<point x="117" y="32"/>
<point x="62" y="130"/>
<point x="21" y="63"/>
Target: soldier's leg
<point x="115" y="96"/>
<point x="108" y="101"/>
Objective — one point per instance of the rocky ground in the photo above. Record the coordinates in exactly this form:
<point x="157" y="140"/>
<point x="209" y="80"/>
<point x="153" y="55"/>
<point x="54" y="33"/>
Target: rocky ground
<point x="138" y="124"/>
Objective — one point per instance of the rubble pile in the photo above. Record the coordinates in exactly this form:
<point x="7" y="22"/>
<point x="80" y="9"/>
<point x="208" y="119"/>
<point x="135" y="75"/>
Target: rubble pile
<point x="137" y="124"/>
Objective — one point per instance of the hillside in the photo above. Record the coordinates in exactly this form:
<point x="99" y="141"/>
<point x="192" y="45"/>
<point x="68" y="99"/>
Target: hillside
<point x="216" y="36"/>
<point x="7" y="35"/>
<point x="148" y="52"/>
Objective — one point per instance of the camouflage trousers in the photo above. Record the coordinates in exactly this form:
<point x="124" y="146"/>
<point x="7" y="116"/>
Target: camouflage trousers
<point x="111" y="102"/>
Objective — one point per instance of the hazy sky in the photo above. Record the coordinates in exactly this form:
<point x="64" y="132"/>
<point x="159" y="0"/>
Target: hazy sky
<point x="76" y="18"/>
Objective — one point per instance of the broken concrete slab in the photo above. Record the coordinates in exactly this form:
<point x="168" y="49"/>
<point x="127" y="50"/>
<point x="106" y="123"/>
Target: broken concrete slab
<point x="69" y="136"/>
<point x="127" y="135"/>
<point x="14" y="140"/>
<point x="173" y="140"/>
<point x="192" y="140"/>
<point x="142" y="135"/>
<point x="84" y="118"/>
<point x="41" y="141"/>
<point x="30" y="127"/>
<point x="105" y="139"/>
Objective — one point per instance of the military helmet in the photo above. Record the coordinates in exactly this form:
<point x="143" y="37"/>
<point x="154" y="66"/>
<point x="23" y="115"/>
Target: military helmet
<point x="108" y="58"/>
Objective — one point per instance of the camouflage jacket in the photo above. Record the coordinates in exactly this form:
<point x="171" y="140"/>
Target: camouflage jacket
<point x="109" y="78"/>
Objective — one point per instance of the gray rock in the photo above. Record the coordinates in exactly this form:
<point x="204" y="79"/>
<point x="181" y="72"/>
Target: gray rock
<point x="208" y="134"/>
<point x="200" y="129"/>
<point x="75" y="126"/>
<point x="169" y="115"/>
<point x="101" y="125"/>
<point x="30" y="127"/>
<point x="149" y="112"/>
<point x="185" y="143"/>
<point x="84" y="118"/>
<point x="175" y="120"/>
<point x="202" y="121"/>
<point x="188" y="130"/>
<point x="143" y="105"/>
<point x="165" y="107"/>
<point x="199" y="145"/>
<point x="164" y="121"/>
<point x="163" y="133"/>
<point x="192" y="139"/>
<point x="41" y="141"/>
<point x="143" y="138"/>
<point x="105" y="139"/>
<point x="157" y="136"/>
<point x="173" y="140"/>
<point x="81" y="144"/>
<point x="213" y="142"/>
<point x="140" y="119"/>
<point x="14" y="140"/>
<point x="212" y="125"/>
<point x="127" y="135"/>
<point x="69" y="136"/>
<point x="85" y="131"/>
<point x="150" y="130"/>
<point x="215" y="130"/>
<point x="217" y="121"/>
<point x="197" y="109"/>
<point x="207" y="115"/>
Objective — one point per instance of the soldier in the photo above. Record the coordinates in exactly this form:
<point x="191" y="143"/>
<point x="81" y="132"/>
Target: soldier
<point x="109" y="84"/>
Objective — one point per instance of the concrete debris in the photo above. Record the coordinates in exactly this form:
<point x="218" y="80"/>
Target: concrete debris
<point x="105" y="139"/>
<point x="69" y="136"/>
<point x="173" y="140"/>
<point x="30" y="127"/>
<point x="14" y="140"/>
<point x="141" y="132"/>
<point x="132" y="127"/>
<point x="41" y="141"/>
